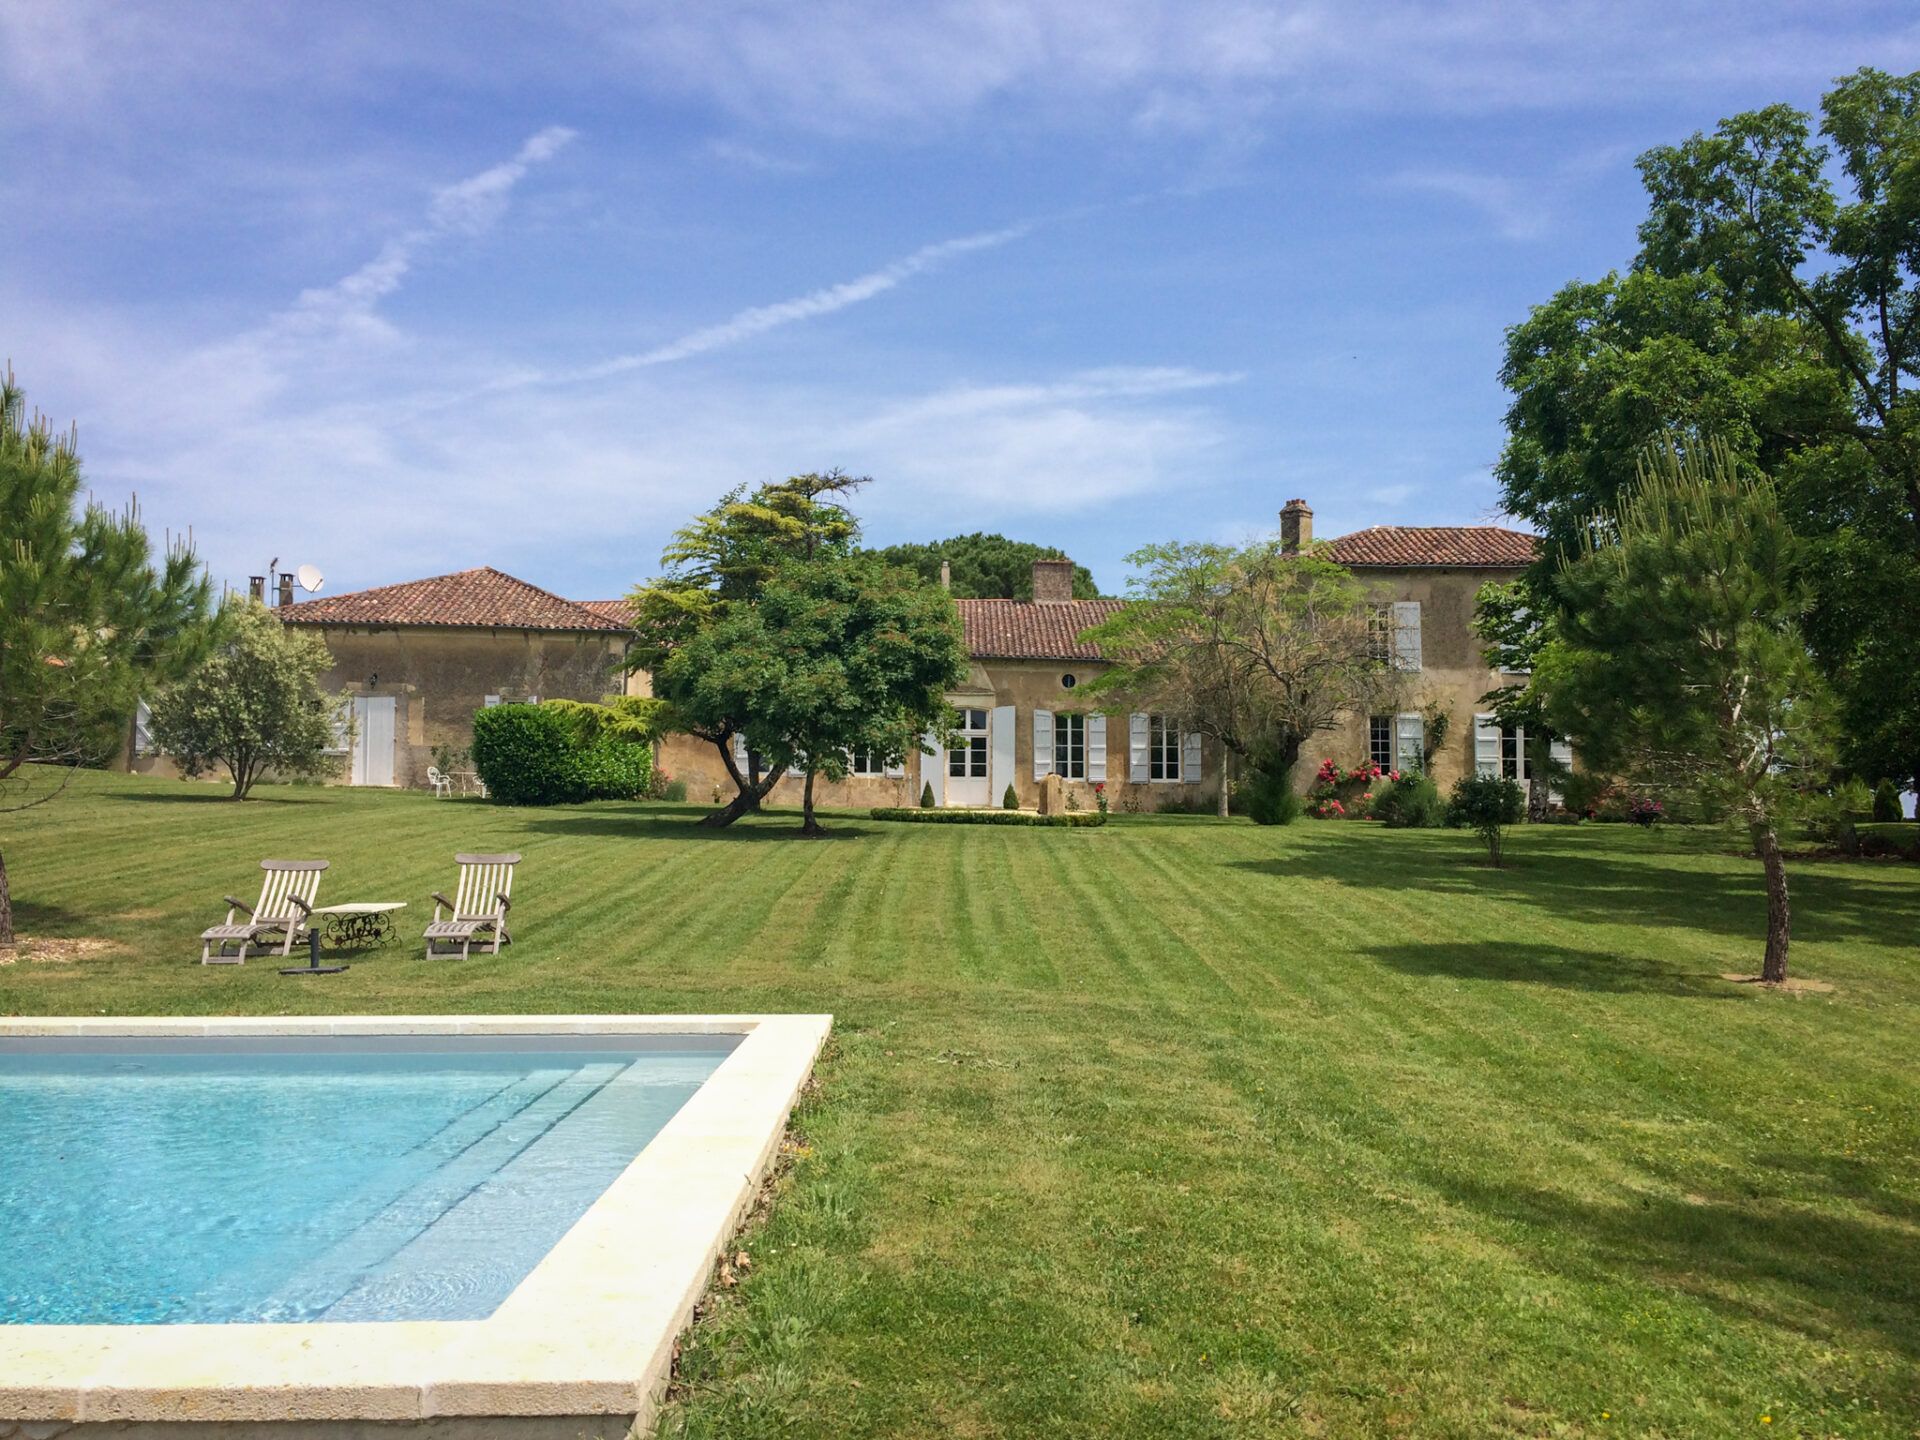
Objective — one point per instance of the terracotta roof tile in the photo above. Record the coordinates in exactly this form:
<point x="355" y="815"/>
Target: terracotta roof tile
<point x="484" y="598"/>
<point x="1032" y="630"/>
<point x="1466" y="547"/>
<point x="619" y="611"/>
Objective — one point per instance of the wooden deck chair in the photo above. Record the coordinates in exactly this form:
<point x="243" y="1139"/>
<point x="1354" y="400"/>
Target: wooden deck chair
<point x="274" y="923"/>
<point x="478" y="913"/>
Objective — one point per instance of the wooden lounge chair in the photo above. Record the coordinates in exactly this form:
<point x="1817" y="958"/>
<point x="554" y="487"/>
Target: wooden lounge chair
<point x="272" y="925"/>
<point x="478" y="913"/>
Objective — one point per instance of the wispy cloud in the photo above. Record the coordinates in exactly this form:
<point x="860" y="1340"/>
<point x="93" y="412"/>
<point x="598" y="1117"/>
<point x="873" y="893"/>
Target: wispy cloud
<point x="752" y="157"/>
<point x="759" y="319"/>
<point x="465" y="208"/>
<point x="1516" y="211"/>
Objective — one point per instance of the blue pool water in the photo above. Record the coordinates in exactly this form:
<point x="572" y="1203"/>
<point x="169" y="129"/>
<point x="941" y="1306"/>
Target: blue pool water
<point x="152" y="1183"/>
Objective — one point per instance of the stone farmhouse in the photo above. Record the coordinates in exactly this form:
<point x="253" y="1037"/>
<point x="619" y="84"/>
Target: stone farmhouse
<point x="419" y="658"/>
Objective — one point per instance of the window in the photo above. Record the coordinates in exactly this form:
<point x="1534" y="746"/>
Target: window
<point x="1070" y="746"/>
<point x="1380" y="740"/>
<point x="1513" y="752"/>
<point x="967" y="760"/>
<point x="864" y="762"/>
<point x="1163" y="748"/>
<point x="1380" y="634"/>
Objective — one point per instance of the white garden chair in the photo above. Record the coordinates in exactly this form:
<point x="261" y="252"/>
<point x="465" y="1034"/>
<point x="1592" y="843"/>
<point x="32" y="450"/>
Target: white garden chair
<point x="441" y="783"/>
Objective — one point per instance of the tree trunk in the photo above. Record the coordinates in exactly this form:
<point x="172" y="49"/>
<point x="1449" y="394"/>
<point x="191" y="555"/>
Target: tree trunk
<point x="1225" y="802"/>
<point x="6" y="907"/>
<point x="1536" y="800"/>
<point x="809" y="825"/>
<point x="746" y="802"/>
<point x="1773" y="969"/>
<point x="748" y="789"/>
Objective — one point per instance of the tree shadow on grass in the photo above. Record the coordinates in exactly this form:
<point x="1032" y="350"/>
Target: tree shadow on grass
<point x="684" y="825"/>
<point x="1531" y="964"/>
<point x="1795" y="1263"/>
<point x="1576" y="880"/>
<point x="34" y="917"/>
<point x="212" y="795"/>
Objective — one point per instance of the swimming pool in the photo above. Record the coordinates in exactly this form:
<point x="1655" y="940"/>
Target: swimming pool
<point x="295" y="1227"/>
<point x="155" y="1181"/>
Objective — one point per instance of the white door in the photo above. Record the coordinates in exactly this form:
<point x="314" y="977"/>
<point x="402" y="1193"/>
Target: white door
<point x="373" y="739"/>
<point x="967" y="783"/>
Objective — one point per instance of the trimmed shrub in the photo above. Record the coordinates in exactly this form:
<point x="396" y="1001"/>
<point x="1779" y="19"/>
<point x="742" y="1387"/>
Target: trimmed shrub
<point x="1486" y="804"/>
<point x="525" y="754"/>
<point x="1410" y="803"/>
<point x="1009" y="801"/>
<point x="1899" y="837"/>
<point x="1073" y="820"/>
<point x="926" y="796"/>
<point x="533" y="755"/>
<point x="674" y="792"/>
<point x="1886" y="803"/>
<point x="613" y="769"/>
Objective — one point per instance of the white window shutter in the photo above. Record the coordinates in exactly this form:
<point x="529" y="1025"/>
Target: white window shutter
<point x="1137" y="767"/>
<point x="1000" y="751"/>
<point x="1190" y="757"/>
<point x="1406" y="634"/>
<point x="1486" y="745"/>
<point x="1409" y="740"/>
<point x="142" y="728"/>
<point x="740" y="751"/>
<point x="1562" y="755"/>
<point x="1096" y="747"/>
<point x="1042" y="744"/>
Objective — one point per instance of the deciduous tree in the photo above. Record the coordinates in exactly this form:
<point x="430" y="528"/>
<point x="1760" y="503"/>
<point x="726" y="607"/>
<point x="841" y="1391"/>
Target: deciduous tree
<point x="836" y="655"/>
<point x="88" y="615"/>
<point x="1768" y="310"/>
<point x="1257" y="648"/>
<point x="254" y="705"/>
<point x="986" y="567"/>
<point x="716" y="564"/>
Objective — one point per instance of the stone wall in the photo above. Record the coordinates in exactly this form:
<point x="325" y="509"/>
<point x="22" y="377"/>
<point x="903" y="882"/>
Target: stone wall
<point x="439" y="676"/>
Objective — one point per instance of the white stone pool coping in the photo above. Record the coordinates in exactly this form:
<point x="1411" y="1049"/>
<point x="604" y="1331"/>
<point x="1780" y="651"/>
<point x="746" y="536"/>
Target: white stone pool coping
<point x="589" y="1331"/>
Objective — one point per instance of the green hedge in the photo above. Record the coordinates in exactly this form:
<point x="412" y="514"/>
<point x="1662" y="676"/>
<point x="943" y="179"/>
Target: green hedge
<point x="1073" y="819"/>
<point x="532" y="755"/>
<point x="1890" y="837"/>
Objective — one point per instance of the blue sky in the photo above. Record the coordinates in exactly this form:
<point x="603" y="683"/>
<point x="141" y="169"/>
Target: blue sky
<point x="396" y="290"/>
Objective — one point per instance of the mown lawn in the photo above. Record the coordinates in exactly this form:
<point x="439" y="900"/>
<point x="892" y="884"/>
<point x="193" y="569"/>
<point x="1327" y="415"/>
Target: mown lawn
<point x="1174" y="1128"/>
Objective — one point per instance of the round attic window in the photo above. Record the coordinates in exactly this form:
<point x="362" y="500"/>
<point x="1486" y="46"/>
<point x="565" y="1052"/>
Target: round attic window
<point x="1067" y="682"/>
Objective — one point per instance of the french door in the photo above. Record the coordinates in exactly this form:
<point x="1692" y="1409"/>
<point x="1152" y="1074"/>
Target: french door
<point x="373" y="739"/>
<point x="967" y="784"/>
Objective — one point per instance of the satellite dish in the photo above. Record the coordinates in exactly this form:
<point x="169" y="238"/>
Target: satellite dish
<point x="309" y="577"/>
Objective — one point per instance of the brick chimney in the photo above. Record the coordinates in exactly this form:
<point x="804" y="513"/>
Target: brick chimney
<point x="946" y="575"/>
<point x="1052" y="581"/>
<point x="286" y="589"/>
<point x="257" y="587"/>
<point x="1296" y="527"/>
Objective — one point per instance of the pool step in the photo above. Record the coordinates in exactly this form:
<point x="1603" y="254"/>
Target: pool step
<point x="473" y="1148"/>
<point x="537" y="1196"/>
